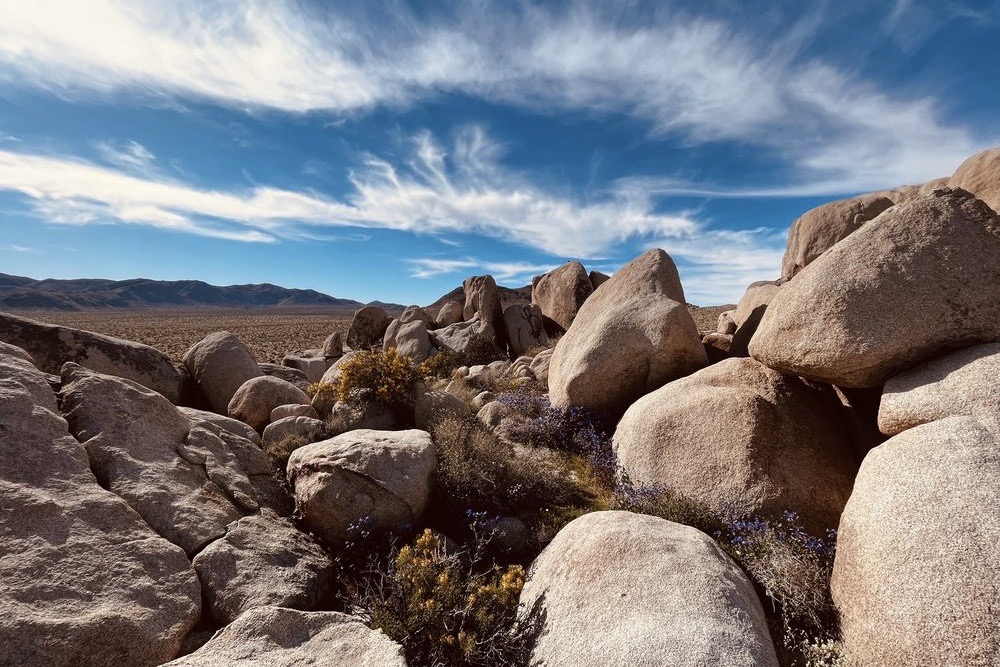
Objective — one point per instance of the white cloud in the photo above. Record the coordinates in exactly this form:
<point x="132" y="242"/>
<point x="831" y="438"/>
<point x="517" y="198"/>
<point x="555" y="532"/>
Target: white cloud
<point x="436" y="192"/>
<point x="696" y="78"/>
<point x="461" y="189"/>
<point x="13" y="247"/>
<point x="128" y="154"/>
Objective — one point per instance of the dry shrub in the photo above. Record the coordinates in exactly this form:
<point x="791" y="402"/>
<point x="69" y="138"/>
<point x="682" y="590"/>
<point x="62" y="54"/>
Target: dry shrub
<point x="279" y="451"/>
<point x="441" y="365"/>
<point x="324" y="396"/>
<point x="387" y="376"/>
<point x="448" y="608"/>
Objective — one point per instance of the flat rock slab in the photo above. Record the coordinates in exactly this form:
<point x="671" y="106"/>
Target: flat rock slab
<point x="51" y="346"/>
<point x="276" y="637"/>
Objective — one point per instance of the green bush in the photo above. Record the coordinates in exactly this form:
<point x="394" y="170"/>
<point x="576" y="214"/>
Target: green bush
<point x="386" y="374"/>
<point x="448" y="608"/>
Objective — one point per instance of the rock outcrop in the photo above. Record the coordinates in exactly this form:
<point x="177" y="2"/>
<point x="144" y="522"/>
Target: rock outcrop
<point x="632" y="336"/>
<point x="915" y="577"/>
<point x="367" y="328"/>
<point x="482" y="298"/>
<point x="256" y="398"/>
<point x="450" y="313"/>
<point x="740" y="435"/>
<point x="525" y="328"/>
<point x="921" y="282"/>
<point x="50" y="346"/>
<point x="410" y="339"/>
<point x="617" y="588"/>
<point x="964" y="382"/>
<point x="188" y="482"/>
<point x="86" y="582"/>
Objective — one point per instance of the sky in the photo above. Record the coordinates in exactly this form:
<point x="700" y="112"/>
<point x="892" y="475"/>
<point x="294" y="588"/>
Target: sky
<point x="389" y="150"/>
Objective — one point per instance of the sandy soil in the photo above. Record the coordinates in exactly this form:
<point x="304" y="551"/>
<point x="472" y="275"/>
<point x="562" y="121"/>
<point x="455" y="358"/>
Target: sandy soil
<point x="269" y="334"/>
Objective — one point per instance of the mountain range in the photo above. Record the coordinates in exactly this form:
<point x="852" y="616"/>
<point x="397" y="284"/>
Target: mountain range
<point x="17" y="292"/>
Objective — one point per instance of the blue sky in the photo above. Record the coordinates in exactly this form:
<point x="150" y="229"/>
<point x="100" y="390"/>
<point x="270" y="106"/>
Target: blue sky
<point x="387" y="152"/>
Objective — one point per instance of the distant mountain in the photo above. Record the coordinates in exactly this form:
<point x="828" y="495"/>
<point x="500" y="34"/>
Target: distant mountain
<point x="17" y="292"/>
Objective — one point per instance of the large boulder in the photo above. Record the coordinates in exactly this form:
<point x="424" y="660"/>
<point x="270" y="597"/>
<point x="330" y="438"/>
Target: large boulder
<point x="187" y="481"/>
<point x="262" y="560"/>
<point x="964" y="382"/>
<point x="757" y="294"/>
<point x="289" y="374"/>
<point x="416" y="314"/>
<point x="256" y="398"/>
<point x="278" y="637"/>
<point x="741" y="435"/>
<point x="220" y="363"/>
<point x="924" y="280"/>
<point x="86" y="582"/>
<point x="410" y="339"/>
<point x="367" y="328"/>
<point x="51" y="346"/>
<point x="482" y="298"/>
<point x="525" y="328"/>
<point x="980" y="175"/>
<point x="560" y="293"/>
<point x="463" y="337"/>
<point x="917" y="569"/>
<point x="622" y="589"/>
<point x="817" y="231"/>
<point x="385" y="475"/>
<point x="632" y="336"/>
<point x="450" y="313"/>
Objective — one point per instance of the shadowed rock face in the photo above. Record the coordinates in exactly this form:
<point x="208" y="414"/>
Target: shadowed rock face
<point x="86" y="582"/>
<point x="560" y="293"/>
<point x="617" y="588"/>
<point x="51" y="346"/>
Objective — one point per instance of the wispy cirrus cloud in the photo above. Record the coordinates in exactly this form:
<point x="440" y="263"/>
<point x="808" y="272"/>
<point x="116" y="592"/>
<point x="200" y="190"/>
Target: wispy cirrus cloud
<point x="460" y="189"/>
<point x="127" y="154"/>
<point x="696" y="78"/>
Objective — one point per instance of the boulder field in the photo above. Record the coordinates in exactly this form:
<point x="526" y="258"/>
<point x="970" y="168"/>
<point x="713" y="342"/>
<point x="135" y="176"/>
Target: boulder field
<point x="201" y="513"/>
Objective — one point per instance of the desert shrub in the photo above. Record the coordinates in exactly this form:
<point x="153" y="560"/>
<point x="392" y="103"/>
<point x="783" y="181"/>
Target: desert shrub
<point x="574" y="430"/>
<point x="477" y="470"/>
<point x="666" y="503"/>
<point x="441" y="365"/>
<point x="448" y="608"/>
<point x="793" y="568"/>
<point x="481" y="350"/>
<point x="324" y="397"/>
<point x="386" y="374"/>
<point x="279" y="451"/>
